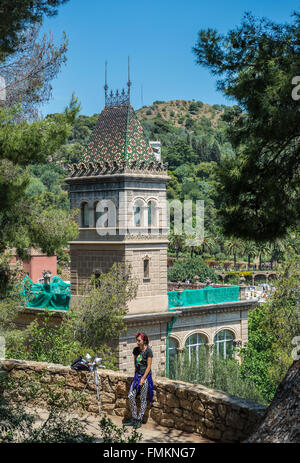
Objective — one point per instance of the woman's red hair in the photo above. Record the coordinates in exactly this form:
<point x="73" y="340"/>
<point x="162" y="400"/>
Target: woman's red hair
<point x="143" y="336"/>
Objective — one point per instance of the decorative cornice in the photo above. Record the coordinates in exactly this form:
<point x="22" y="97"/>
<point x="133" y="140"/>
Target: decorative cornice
<point x="224" y="307"/>
<point x="115" y="167"/>
<point x="150" y="318"/>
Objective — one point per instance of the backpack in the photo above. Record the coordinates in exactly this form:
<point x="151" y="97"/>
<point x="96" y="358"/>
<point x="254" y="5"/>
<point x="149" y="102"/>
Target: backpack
<point x="80" y="364"/>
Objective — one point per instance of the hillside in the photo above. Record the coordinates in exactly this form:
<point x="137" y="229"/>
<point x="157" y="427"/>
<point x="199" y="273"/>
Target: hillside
<point x="180" y="112"/>
<point x="193" y="140"/>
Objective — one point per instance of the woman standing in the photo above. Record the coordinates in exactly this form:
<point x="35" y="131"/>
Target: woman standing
<point x="142" y="382"/>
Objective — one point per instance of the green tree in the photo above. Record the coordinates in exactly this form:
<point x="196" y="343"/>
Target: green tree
<point x="215" y="153"/>
<point x="272" y="327"/>
<point x="176" y="243"/>
<point x="250" y="250"/>
<point x="27" y="73"/>
<point x="100" y="314"/>
<point x="179" y="153"/>
<point x="259" y="186"/>
<point x="17" y="16"/>
<point x="44" y="341"/>
<point x="189" y="267"/>
<point x="21" y="144"/>
<point x="262" y="249"/>
<point x="234" y="246"/>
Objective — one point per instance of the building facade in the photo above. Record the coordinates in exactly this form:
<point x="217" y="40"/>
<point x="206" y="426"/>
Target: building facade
<point x="119" y="186"/>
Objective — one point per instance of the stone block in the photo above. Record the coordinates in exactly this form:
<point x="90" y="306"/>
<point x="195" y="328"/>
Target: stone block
<point x="109" y="408"/>
<point x="233" y="420"/>
<point x="155" y="414"/>
<point x="120" y="411"/>
<point x="208" y="423"/>
<point x="184" y="427"/>
<point x="93" y="408"/>
<point x="221" y="410"/>
<point x="107" y="397"/>
<point x="213" y="434"/>
<point x="209" y="415"/>
<point x="185" y="404"/>
<point x="177" y="412"/>
<point x="121" y="389"/>
<point x="188" y="416"/>
<point x="168" y="422"/>
<point x="198" y="407"/>
<point x="106" y="386"/>
<point x="122" y="403"/>
<point x="172" y="401"/>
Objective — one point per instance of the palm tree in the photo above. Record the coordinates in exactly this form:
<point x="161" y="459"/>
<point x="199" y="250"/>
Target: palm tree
<point x="234" y="246"/>
<point x="207" y="244"/>
<point x="177" y="242"/>
<point x="262" y="248"/>
<point x="250" y="249"/>
<point x="277" y="248"/>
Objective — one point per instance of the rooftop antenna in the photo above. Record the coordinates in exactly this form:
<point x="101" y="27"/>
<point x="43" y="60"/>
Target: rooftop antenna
<point x="128" y="83"/>
<point x="105" y="86"/>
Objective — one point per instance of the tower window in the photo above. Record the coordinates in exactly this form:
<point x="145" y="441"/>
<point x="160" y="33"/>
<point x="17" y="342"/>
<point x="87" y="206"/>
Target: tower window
<point x="137" y="216"/>
<point x="149" y="214"/>
<point x="85" y="215"/>
<point x="101" y="218"/>
<point x="146" y="268"/>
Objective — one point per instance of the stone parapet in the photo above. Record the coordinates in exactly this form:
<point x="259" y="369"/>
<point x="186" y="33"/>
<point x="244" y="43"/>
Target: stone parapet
<point x="192" y="408"/>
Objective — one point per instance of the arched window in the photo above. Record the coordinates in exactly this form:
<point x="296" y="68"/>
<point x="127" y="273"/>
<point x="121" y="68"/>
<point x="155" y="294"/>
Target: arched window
<point x="146" y="267"/>
<point x="97" y="214"/>
<point x="173" y="345"/>
<point x="137" y="216"/>
<point x="149" y="214"/>
<point x="105" y="216"/>
<point x="195" y="344"/>
<point x="85" y="215"/>
<point x="224" y="343"/>
<point x="101" y="217"/>
<point x="152" y="213"/>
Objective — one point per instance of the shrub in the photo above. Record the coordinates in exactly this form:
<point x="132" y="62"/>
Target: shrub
<point x="192" y="266"/>
<point x="113" y="434"/>
<point x="221" y="374"/>
<point x="43" y="342"/>
<point x="193" y="108"/>
<point x="20" y="425"/>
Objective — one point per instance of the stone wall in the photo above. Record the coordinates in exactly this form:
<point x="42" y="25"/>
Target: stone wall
<point x="212" y="414"/>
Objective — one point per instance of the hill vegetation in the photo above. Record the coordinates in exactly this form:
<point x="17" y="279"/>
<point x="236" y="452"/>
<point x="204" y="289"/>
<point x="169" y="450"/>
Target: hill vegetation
<point x="193" y="141"/>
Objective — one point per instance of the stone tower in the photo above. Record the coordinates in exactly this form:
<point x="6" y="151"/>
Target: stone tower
<point x="119" y="186"/>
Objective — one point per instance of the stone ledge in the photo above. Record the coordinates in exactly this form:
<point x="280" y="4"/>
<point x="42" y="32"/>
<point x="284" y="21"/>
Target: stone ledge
<point x="177" y="404"/>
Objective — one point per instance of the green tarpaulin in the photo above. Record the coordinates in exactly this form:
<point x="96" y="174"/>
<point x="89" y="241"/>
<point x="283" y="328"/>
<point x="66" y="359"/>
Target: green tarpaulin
<point x="57" y="295"/>
<point x="208" y="295"/>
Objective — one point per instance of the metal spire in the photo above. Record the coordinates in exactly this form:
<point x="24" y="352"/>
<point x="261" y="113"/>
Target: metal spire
<point x="128" y="83"/>
<point x="105" y="86"/>
<point x="117" y="99"/>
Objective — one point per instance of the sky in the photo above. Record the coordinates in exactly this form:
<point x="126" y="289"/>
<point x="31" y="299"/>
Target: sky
<point x="158" y="35"/>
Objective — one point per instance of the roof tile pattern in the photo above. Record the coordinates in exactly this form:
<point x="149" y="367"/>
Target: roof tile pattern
<point x="118" y="136"/>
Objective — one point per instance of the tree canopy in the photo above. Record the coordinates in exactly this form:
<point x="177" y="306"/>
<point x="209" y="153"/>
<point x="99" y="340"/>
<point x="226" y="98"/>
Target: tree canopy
<point x="259" y="186"/>
<point x="18" y="15"/>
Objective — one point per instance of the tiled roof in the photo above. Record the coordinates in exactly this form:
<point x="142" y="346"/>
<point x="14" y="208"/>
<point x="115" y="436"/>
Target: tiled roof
<point x="118" y="136"/>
